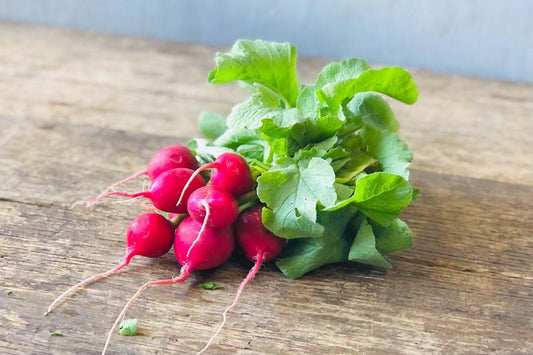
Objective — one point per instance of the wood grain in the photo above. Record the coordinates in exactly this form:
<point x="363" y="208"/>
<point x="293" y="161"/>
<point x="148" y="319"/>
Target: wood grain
<point x="79" y="110"/>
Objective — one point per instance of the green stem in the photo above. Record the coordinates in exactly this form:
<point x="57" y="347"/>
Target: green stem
<point x="247" y="197"/>
<point x="178" y="219"/>
<point x="247" y="205"/>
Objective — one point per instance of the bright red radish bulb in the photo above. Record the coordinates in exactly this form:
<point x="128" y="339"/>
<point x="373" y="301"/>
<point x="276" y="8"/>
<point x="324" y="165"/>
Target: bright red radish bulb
<point x="170" y="157"/>
<point x="195" y="249"/>
<point x="254" y="239"/>
<point x="213" y="248"/>
<point x="218" y="206"/>
<point x="259" y="245"/>
<point x="150" y="235"/>
<point x="165" y="190"/>
<point x="230" y="173"/>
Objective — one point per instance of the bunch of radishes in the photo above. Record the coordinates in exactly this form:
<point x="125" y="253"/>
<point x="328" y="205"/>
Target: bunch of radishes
<point x="202" y="228"/>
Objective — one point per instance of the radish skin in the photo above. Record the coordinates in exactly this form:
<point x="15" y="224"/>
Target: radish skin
<point x="223" y="207"/>
<point x="167" y="158"/>
<point x="165" y="190"/>
<point x="230" y="173"/>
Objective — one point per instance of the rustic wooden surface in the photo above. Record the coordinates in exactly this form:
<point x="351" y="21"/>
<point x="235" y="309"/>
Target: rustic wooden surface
<point x="78" y="111"/>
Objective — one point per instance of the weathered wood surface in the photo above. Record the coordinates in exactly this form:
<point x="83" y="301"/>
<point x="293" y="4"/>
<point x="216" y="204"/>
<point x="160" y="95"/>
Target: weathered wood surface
<point x="78" y="111"/>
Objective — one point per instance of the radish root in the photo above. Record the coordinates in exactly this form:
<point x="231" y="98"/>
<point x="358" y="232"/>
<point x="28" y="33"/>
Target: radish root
<point x="184" y="275"/>
<point x="89" y="280"/>
<point x="195" y="174"/>
<point x="202" y="229"/>
<point x="244" y="282"/>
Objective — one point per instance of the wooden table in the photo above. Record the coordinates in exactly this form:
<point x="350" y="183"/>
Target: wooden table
<point x="79" y="111"/>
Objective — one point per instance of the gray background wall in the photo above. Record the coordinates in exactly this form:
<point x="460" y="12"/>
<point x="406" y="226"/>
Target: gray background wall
<point x="490" y="38"/>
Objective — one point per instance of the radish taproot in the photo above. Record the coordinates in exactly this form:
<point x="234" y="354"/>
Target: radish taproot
<point x="165" y="190"/>
<point x="229" y="172"/>
<point x="149" y="235"/>
<point x="193" y="253"/>
<point x="259" y="245"/>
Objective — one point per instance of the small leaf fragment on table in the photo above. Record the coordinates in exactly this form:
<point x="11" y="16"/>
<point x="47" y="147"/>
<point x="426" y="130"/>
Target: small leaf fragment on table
<point x="57" y="334"/>
<point x="8" y="292"/>
<point x="128" y="327"/>
<point x="210" y="286"/>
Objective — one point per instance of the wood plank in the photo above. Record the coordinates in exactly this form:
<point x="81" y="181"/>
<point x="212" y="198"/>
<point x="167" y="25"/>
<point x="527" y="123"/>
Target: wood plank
<point x="123" y="83"/>
<point x="461" y="289"/>
<point x="79" y="110"/>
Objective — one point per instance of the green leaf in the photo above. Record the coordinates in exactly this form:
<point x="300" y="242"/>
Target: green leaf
<point x="363" y="249"/>
<point x="307" y="102"/>
<point x="371" y="109"/>
<point x="394" y="237"/>
<point x="394" y="82"/>
<point x="316" y="130"/>
<point x="251" y="113"/>
<point x="251" y="151"/>
<point x="56" y="334"/>
<point x="343" y="192"/>
<point x="128" y="327"/>
<point x="358" y="162"/>
<point x="339" y="71"/>
<point x="233" y="138"/>
<point x="210" y="286"/>
<point x="8" y="292"/>
<point x="212" y="124"/>
<point x="304" y="255"/>
<point x="386" y="147"/>
<point x="291" y="190"/>
<point x="270" y="64"/>
<point x="382" y="196"/>
<point x="205" y="151"/>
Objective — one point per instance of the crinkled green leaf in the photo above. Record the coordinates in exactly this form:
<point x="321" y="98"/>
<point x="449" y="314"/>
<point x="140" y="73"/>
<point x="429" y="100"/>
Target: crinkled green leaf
<point x="393" y="81"/>
<point x="252" y="113"/>
<point x="394" y="237"/>
<point x="205" y="151"/>
<point x="291" y="190"/>
<point x="339" y="71"/>
<point x="382" y="196"/>
<point x="251" y="151"/>
<point x="304" y="255"/>
<point x="363" y="249"/>
<point x="358" y="162"/>
<point x="128" y="327"/>
<point x="343" y="192"/>
<point x="312" y="131"/>
<point x="268" y="63"/>
<point x="233" y="138"/>
<point x="307" y="102"/>
<point x="210" y="286"/>
<point x="212" y="124"/>
<point x="386" y="147"/>
<point x="371" y="109"/>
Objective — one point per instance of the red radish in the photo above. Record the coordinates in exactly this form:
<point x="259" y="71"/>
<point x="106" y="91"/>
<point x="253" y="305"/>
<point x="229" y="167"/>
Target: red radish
<point x="230" y="173"/>
<point x="212" y="250"/>
<point x="149" y="235"/>
<point x="217" y="206"/>
<point x="165" y="190"/>
<point x="170" y="157"/>
<point x="259" y="245"/>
